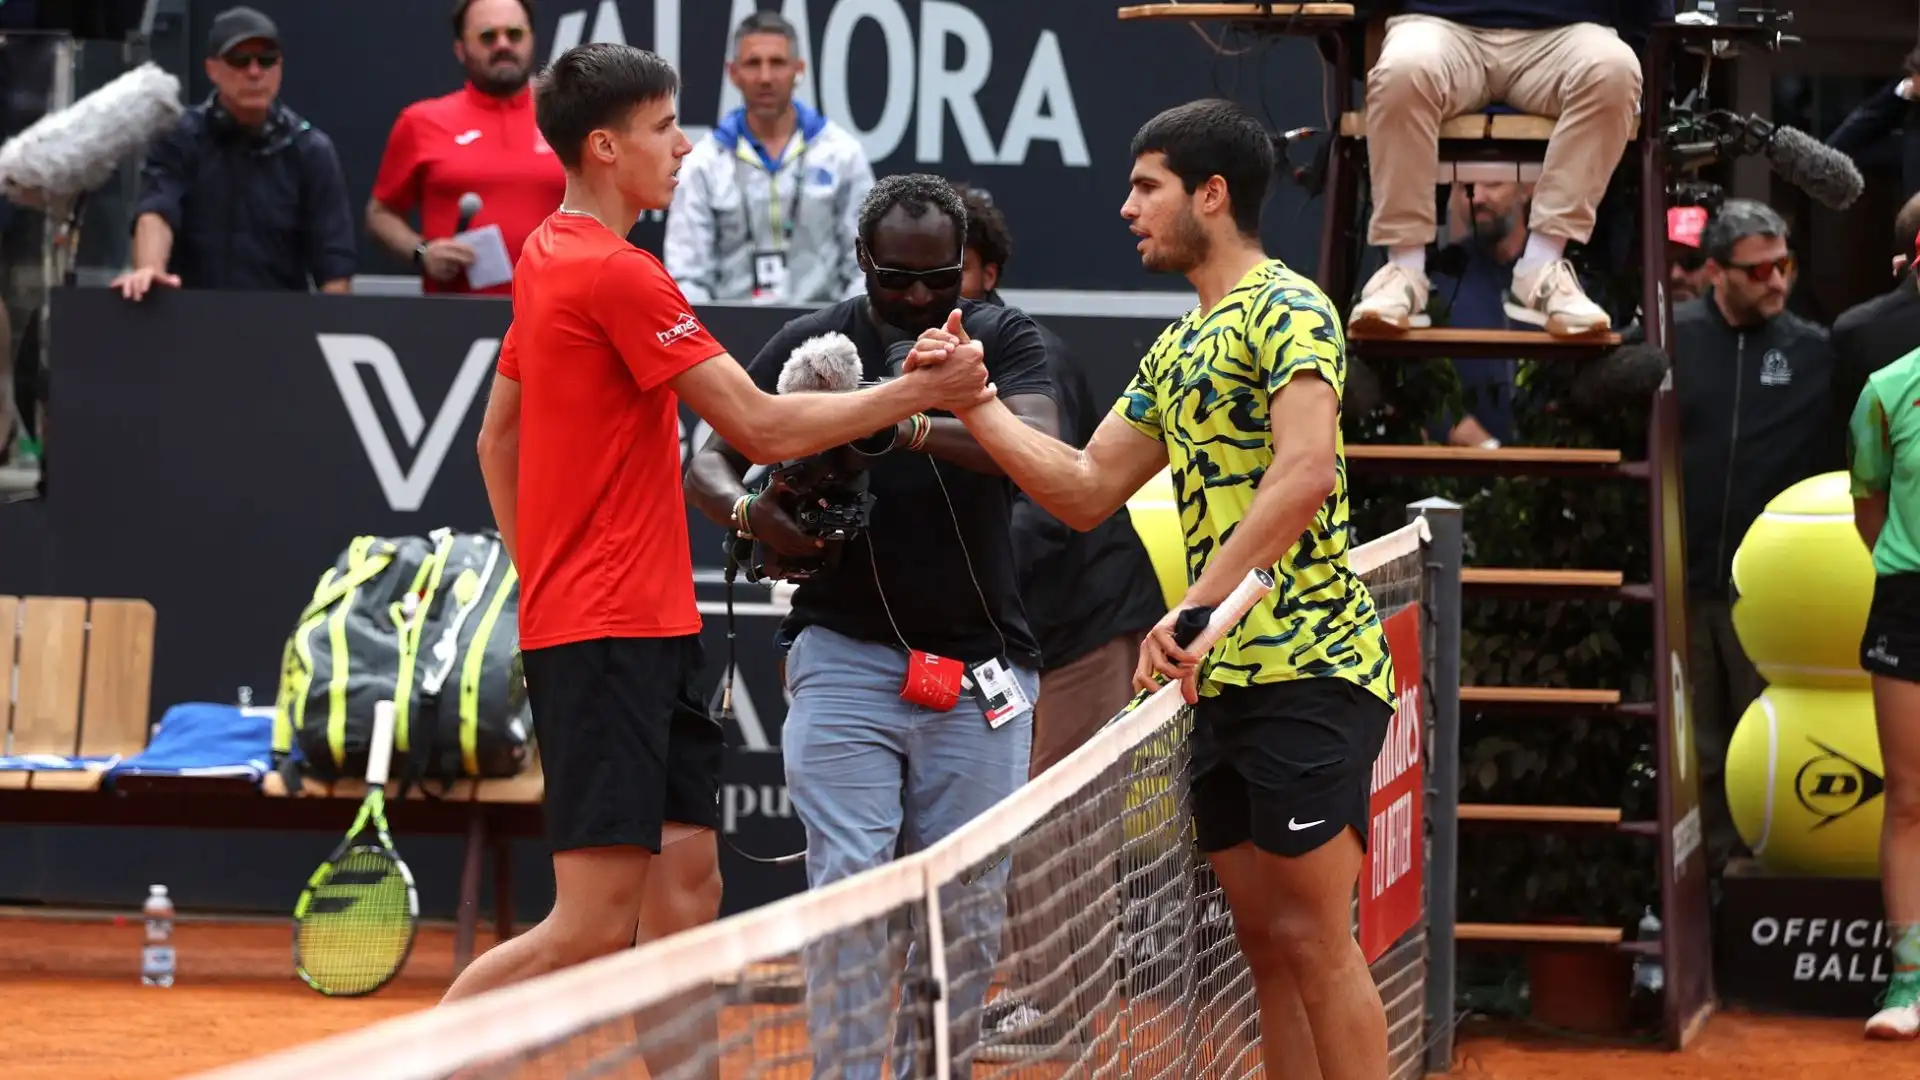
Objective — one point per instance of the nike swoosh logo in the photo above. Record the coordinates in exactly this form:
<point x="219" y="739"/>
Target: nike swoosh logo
<point x="1296" y="825"/>
<point x="466" y="137"/>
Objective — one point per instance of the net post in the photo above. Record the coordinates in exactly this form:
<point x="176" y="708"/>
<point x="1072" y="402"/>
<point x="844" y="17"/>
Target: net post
<point x="1445" y="556"/>
<point x="938" y="984"/>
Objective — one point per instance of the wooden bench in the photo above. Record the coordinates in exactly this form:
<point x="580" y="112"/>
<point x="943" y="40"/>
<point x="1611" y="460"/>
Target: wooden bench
<point x="82" y="673"/>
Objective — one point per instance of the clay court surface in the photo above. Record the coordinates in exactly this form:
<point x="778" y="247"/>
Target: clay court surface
<point x="74" y="1008"/>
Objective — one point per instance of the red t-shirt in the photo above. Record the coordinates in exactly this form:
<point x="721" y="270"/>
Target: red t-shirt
<point x="599" y="329"/>
<point x="444" y="147"/>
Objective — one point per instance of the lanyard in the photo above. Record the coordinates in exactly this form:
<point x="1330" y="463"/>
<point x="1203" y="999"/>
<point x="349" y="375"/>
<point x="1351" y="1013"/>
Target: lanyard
<point x="782" y="229"/>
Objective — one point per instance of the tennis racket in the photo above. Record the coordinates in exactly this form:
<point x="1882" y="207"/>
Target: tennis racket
<point x="354" y="923"/>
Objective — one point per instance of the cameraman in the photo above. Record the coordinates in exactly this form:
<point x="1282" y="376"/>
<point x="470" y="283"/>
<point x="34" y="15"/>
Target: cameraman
<point x="877" y="761"/>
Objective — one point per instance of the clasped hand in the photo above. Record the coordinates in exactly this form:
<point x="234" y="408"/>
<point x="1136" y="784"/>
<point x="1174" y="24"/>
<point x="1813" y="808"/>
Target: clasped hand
<point x="947" y="351"/>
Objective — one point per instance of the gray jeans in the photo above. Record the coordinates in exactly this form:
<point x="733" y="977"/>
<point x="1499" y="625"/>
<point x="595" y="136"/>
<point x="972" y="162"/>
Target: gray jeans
<point x="871" y="775"/>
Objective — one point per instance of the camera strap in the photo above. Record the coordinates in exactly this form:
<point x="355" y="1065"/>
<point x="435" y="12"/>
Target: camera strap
<point x="724" y="714"/>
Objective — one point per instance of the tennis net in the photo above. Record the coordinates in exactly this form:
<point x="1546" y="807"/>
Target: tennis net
<point x="1071" y="931"/>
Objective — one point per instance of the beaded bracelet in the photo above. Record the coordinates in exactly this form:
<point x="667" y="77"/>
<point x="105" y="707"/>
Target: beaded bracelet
<point x="743" y="516"/>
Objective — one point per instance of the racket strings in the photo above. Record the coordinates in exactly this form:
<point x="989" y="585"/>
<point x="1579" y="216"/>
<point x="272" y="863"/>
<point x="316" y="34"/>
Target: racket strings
<point x="357" y="924"/>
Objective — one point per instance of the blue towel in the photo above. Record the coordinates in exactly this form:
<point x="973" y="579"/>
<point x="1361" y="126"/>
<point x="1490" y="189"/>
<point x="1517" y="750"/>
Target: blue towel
<point x="198" y="739"/>
<point x="56" y="763"/>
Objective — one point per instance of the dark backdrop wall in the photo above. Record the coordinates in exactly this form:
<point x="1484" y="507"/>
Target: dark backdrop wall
<point x="1036" y="102"/>
<point x="216" y="451"/>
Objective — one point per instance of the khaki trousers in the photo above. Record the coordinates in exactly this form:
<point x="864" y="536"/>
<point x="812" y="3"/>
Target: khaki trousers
<point x="1431" y="69"/>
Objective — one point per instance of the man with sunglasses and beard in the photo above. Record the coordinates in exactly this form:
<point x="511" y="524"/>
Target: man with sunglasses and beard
<point x="1756" y="417"/>
<point x="243" y="193"/>
<point x="479" y="140"/>
<point x="887" y="750"/>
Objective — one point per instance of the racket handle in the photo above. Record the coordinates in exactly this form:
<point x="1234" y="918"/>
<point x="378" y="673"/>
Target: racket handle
<point x="380" y="750"/>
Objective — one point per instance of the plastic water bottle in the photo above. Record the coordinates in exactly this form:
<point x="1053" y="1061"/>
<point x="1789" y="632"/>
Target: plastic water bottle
<point x="156" y="959"/>
<point x="1649" y="975"/>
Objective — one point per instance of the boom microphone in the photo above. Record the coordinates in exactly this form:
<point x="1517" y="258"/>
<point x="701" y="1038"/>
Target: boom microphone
<point x="469" y="208"/>
<point x="1803" y="161"/>
<point x="68" y="153"/>
<point x="828" y="363"/>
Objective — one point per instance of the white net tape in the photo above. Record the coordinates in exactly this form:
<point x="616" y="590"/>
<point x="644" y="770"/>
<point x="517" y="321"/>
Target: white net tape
<point x="1076" y="914"/>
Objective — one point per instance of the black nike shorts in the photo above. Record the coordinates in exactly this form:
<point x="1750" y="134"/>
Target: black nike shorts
<point x="1287" y="765"/>
<point x="625" y="743"/>
<point x="1891" y="644"/>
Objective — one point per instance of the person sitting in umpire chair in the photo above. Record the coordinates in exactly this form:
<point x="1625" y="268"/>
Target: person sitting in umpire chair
<point x="1568" y="59"/>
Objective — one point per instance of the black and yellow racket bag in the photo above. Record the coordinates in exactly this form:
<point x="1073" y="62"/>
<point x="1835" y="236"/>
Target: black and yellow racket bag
<point x="431" y="624"/>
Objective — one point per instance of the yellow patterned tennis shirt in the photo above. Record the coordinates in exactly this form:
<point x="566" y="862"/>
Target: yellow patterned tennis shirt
<point x="1203" y="390"/>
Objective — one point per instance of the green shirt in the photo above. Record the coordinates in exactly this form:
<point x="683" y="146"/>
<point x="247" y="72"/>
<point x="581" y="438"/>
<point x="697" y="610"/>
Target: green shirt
<point x="1883" y="457"/>
<point x="1204" y="390"/>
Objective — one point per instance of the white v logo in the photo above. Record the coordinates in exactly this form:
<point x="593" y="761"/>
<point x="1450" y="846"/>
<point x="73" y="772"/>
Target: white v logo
<point x="405" y="490"/>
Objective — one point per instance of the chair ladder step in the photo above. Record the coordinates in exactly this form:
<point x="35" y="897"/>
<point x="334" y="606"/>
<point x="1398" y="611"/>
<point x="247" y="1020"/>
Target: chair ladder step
<point x="1536" y="695"/>
<point x="1539" y="933"/>
<point x="1456" y="343"/>
<point x="1541" y="815"/>
<point x="1546" y="579"/>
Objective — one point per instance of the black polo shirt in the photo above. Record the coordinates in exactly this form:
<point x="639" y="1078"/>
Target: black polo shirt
<point x="260" y="209"/>
<point x="936" y="529"/>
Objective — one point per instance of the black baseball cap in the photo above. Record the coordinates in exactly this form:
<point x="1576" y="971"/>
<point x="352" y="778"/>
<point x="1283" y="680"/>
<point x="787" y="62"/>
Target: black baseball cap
<point x="235" y="25"/>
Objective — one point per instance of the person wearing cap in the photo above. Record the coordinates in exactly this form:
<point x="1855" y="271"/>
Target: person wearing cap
<point x="479" y="141"/>
<point x="1686" y="263"/>
<point x="244" y="193"/>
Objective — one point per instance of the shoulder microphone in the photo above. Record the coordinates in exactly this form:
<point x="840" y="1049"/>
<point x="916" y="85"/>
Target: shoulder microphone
<point x="469" y="209"/>
<point x="828" y="363"/>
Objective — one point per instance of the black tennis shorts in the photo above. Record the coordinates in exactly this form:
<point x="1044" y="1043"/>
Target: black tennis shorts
<point x="624" y="740"/>
<point x="1287" y="765"/>
<point x="1891" y="644"/>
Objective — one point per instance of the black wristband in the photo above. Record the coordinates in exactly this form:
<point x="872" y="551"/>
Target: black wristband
<point x="420" y="255"/>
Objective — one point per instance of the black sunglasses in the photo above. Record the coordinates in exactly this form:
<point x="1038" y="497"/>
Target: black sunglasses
<point x="514" y="35"/>
<point x="892" y="280"/>
<point x="241" y="61"/>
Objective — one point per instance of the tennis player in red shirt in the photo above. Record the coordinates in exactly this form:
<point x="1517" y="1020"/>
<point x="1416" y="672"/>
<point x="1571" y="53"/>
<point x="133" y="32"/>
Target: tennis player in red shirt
<point x="580" y="450"/>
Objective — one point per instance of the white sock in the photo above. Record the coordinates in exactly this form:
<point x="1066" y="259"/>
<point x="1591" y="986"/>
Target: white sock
<point x="1411" y="259"/>
<point x="1541" y="249"/>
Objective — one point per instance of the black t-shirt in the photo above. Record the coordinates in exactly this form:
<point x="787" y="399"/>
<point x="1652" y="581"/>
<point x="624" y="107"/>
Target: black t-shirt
<point x="1083" y="589"/>
<point x="919" y="558"/>
<point x="1868" y="337"/>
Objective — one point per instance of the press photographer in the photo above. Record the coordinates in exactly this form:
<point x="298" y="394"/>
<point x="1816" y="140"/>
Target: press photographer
<point x="909" y="658"/>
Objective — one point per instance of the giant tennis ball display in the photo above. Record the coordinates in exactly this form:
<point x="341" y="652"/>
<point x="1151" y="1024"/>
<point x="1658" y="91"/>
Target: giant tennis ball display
<point x="1156" y="517"/>
<point x="1804" y="580"/>
<point x="1805" y="782"/>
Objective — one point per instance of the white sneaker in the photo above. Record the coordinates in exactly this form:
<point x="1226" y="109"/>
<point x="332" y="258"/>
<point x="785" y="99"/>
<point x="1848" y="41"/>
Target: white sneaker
<point x="1550" y="296"/>
<point x="1899" y="1015"/>
<point x="1393" y="301"/>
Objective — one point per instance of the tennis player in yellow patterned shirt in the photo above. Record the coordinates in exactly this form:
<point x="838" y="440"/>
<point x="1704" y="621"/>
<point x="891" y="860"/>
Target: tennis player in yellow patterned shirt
<point x="1242" y="398"/>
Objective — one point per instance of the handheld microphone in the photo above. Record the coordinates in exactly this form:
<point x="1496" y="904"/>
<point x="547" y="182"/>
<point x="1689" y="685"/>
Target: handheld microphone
<point x="71" y="152"/>
<point x="828" y="363"/>
<point x="469" y="208"/>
